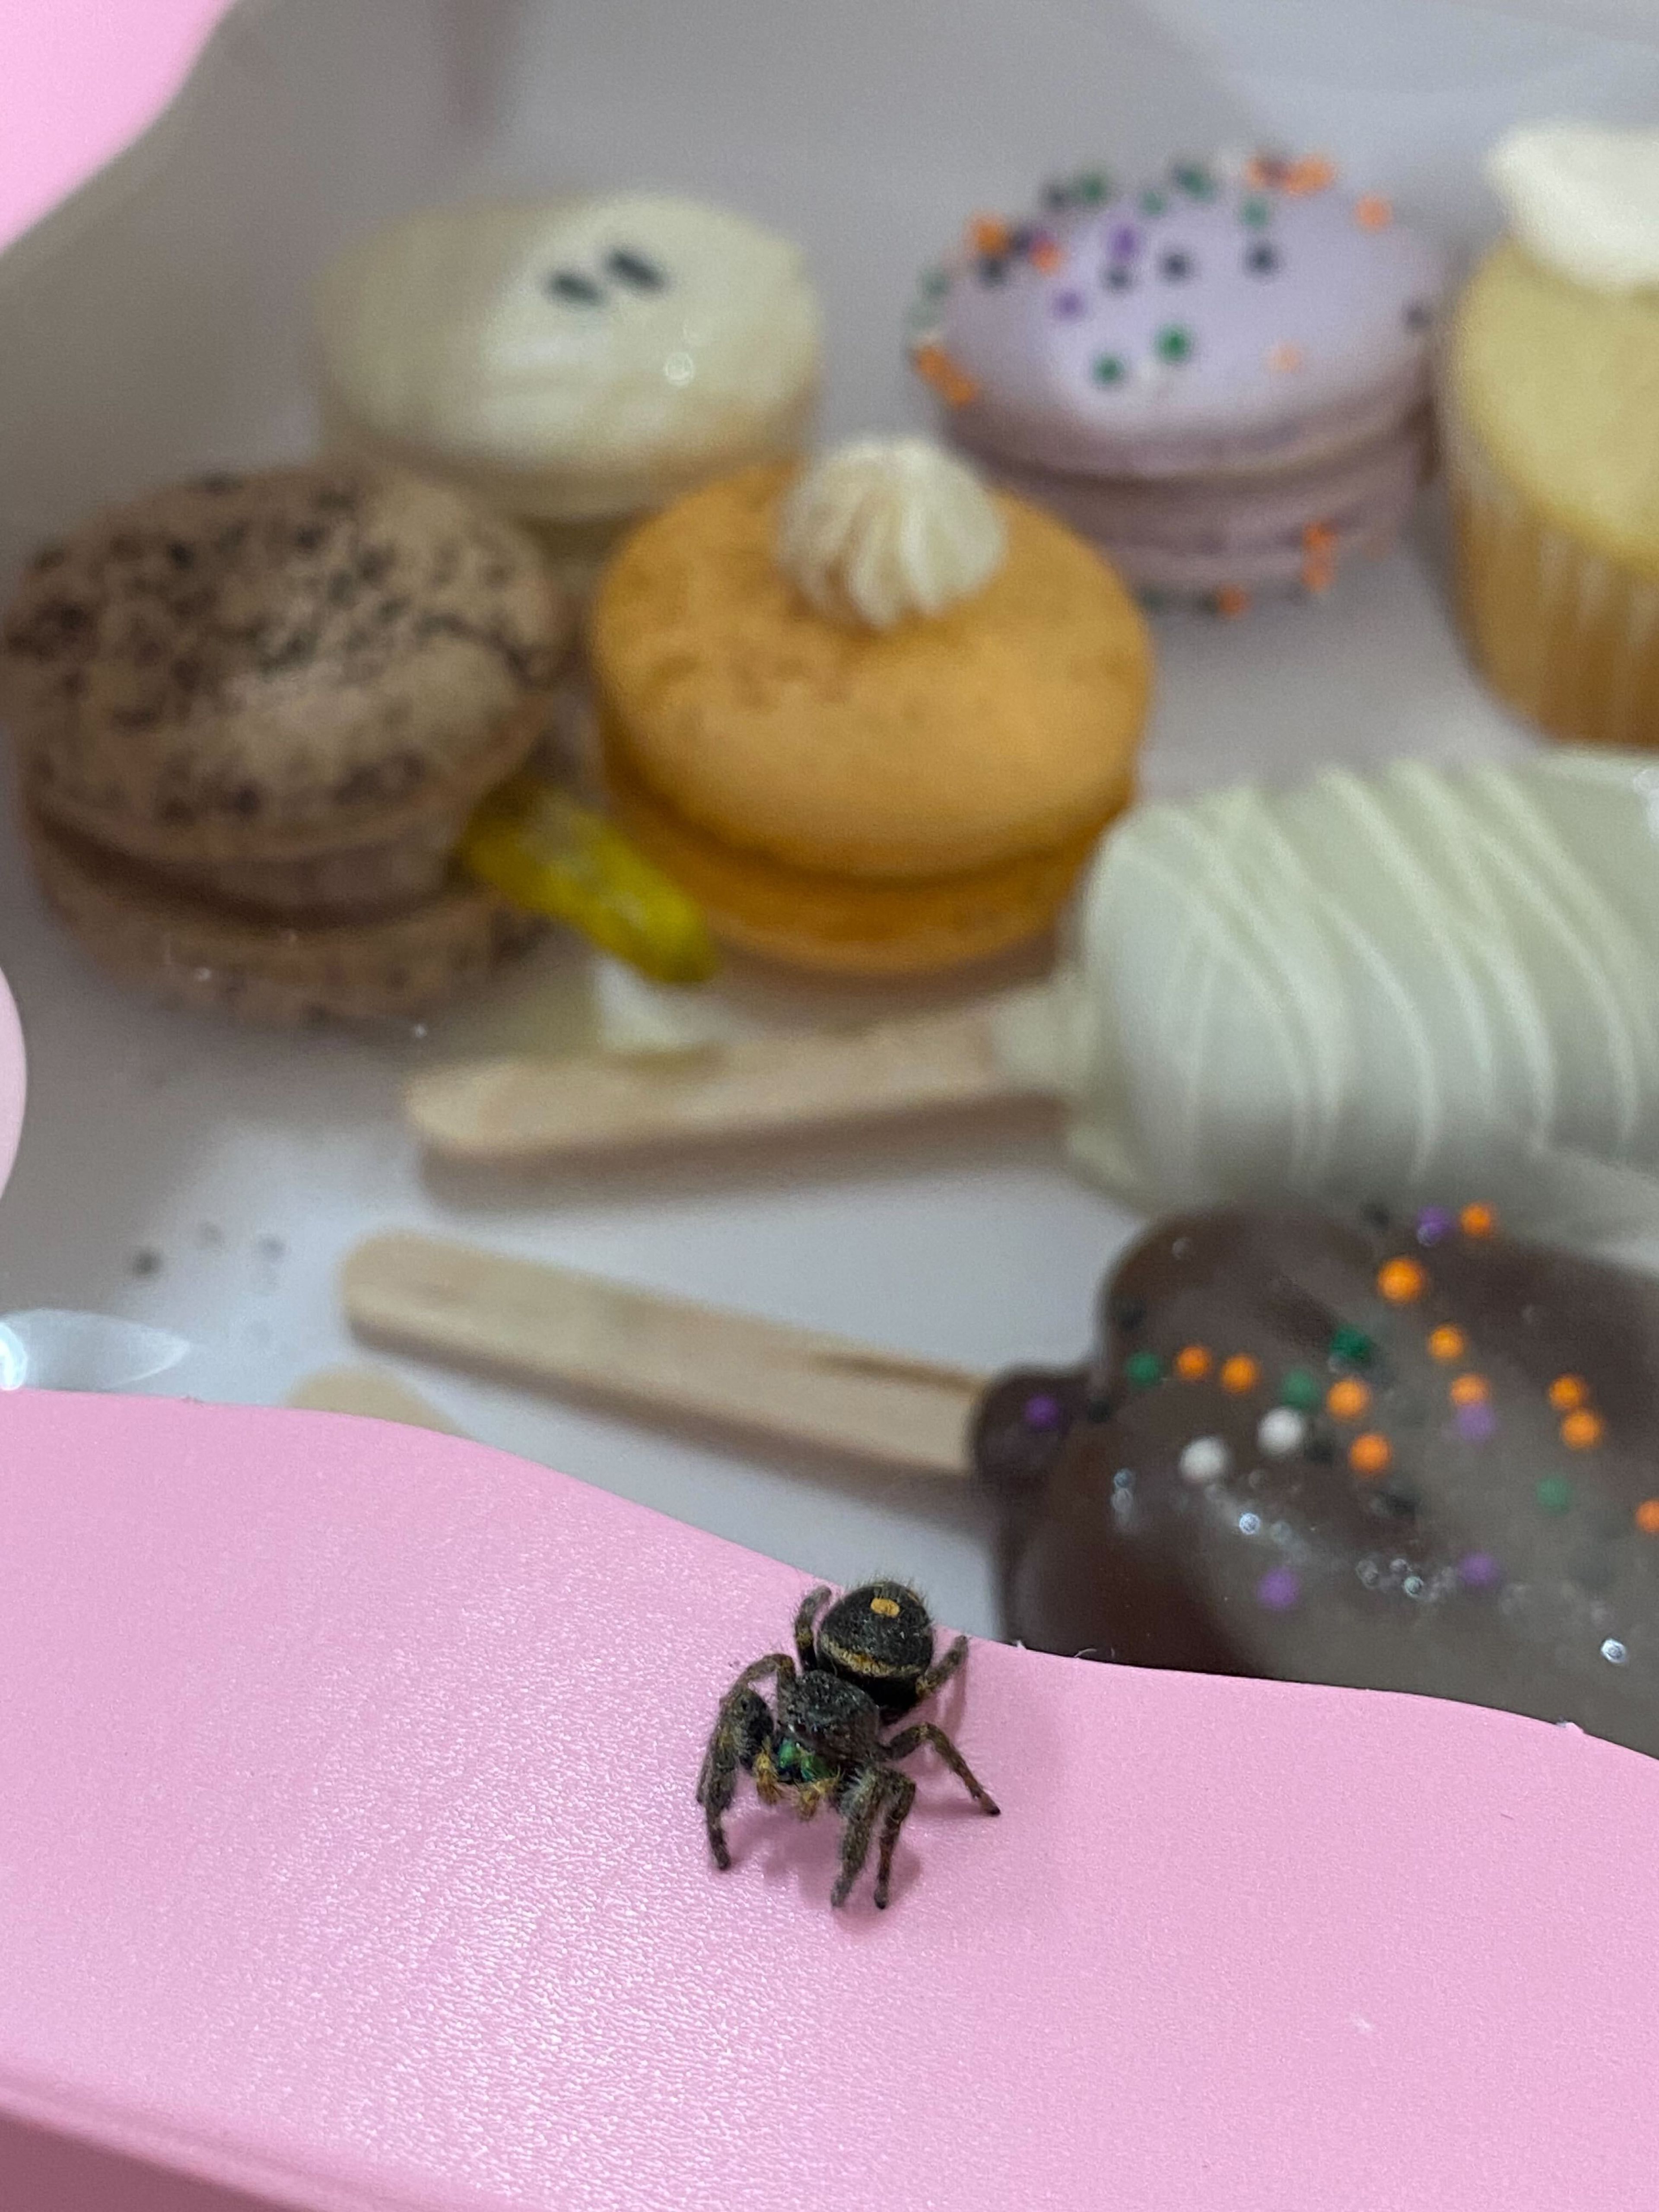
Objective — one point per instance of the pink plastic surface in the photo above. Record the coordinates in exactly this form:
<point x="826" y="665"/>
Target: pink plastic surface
<point x="79" y="81"/>
<point x="348" y="1856"/>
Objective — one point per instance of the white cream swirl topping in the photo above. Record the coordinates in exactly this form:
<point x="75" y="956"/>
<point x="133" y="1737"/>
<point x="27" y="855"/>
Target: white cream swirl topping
<point x="888" y="528"/>
<point x="1583" y="199"/>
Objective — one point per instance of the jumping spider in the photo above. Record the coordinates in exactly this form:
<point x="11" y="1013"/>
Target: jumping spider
<point x="867" y="1662"/>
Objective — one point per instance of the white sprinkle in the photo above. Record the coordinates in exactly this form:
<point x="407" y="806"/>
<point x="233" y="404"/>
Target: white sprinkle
<point x="1249" y="1524"/>
<point x="1615" y="1652"/>
<point x="1282" y="1433"/>
<point x="1206" y="1459"/>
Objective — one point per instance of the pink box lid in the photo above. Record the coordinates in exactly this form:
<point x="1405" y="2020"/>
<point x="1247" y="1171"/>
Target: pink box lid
<point x="348" y="1858"/>
<point x="79" y="81"/>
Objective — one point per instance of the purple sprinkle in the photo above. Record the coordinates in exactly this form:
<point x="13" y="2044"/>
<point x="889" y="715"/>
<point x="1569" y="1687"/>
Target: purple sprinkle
<point x="1476" y="1424"/>
<point x="1125" y="240"/>
<point x="1068" y="303"/>
<point x="1479" y="1571"/>
<point x="1279" y="1589"/>
<point x="1043" y="1412"/>
<point x="1434" y="1225"/>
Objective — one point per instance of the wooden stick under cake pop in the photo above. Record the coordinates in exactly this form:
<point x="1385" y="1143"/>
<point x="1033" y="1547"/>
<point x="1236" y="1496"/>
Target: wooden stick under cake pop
<point x="523" y="1110"/>
<point x="555" y="1328"/>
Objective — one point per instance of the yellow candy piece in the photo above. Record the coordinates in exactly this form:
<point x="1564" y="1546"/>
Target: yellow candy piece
<point x="549" y="854"/>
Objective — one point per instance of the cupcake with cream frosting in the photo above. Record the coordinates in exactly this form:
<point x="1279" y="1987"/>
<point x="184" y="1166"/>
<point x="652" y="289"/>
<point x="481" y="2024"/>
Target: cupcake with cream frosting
<point x="1553" y="436"/>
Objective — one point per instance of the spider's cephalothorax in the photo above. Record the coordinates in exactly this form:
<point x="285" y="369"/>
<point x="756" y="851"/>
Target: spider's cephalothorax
<point x="862" y="1664"/>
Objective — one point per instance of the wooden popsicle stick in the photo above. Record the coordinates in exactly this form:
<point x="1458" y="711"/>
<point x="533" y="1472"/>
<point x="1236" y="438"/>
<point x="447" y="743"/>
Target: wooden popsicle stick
<point x="552" y="1328"/>
<point x="371" y="1392"/>
<point x="517" y="1110"/>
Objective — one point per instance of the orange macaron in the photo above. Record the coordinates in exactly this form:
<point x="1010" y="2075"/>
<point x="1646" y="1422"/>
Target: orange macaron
<point x="871" y="715"/>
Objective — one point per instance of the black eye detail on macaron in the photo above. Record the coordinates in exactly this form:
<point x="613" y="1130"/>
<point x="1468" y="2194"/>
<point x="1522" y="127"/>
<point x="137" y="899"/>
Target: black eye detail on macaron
<point x="1262" y="259"/>
<point x="1176" y="266"/>
<point x="633" y="270"/>
<point x="580" y="291"/>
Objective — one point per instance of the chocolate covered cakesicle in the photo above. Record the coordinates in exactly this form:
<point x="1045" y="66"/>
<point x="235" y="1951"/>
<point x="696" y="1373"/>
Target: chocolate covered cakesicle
<point x="1414" y="1455"/>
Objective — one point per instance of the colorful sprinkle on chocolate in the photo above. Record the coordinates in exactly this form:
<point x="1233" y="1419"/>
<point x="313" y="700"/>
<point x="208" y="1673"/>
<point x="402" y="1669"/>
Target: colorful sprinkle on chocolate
<point x="1301" y="1389"/>
<point x="1240" y="1373"/>
<point x="1568" y="1392"/>
<point x="1583" y="1430"/>
<point x="1435" y="1224"/>
<point x="1478" y="1221"/>
<point x="1194" y="1362"/>
<point x="1479" y="1571"/>
<point x="1370" y="1454"/>
<point x="1554" y="1494"/>
<point x="1476" y="1423"/>
<point x="1282" y="1432"/>
<point x="1143" y="1368"/>
<point x="1446" y="1343"/>
<point x="1647" y="1517"/>
<point x="1206" y="1459"/>
<point x="1042" y="1412"/>
<point x="1469" y="1391"/>
<point x="1279" y="1589"/>
<point x="1352" y="1345"/>
<point x="1348" y="1400"/>
<point x="1401" y="1282"/>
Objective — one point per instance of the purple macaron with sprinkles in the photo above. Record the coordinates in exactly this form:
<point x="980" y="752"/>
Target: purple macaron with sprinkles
<point x="1222" y="379"/>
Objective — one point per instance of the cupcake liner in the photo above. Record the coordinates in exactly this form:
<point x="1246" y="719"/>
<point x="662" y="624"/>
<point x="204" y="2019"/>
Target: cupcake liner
<point x="1564" y="634"/>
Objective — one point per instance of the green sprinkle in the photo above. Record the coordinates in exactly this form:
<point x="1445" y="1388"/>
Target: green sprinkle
<point x="1555" y="1494"/>
<point x="1143" y="1368"/>
<point x="936" y="283"/>
<point x="1195" y="178"/>
<point x="1093" y="187"/>
<point x="1174" y="344"/>
<point x="1108" y="368"/>
<point x="1301" y="1389"/>
<point x="1258" y="213"/>
<point x="1354" y="1346"/>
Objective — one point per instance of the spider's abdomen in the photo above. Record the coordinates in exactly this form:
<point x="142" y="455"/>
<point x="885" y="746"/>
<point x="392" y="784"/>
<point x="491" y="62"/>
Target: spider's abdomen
<point x="879" y="1636"/>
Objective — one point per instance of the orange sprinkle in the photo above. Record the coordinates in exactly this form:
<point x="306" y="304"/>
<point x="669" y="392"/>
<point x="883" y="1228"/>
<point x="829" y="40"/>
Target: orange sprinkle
<point x="1287" y="358"/>
<point x="1240" y="1373"/>
<point x="1313" y="173"/>
<point x="1318" y="575"/>
<point x="1318" y="537"/>
<point x="1401" y="1282"/>
<point x="1231" y="601"/>
<point x="1446" y="1343"/>
<point x="1347" y="1400"/>
<point x="1194" y="1363"/>
<point x="1647" y="1517"/>
<point x="1478" y="1221"/>
<point x="1583" y="1430"/>
<point x="1568" y="1392"/>
<point x="1373" y="212"/>
<point x="935" y="367"/>
<point x="988" y="234"/>
<point x="1470" y="1390"/>
<point x="1048" y="255"/>
<point x="1370" y="1454"/>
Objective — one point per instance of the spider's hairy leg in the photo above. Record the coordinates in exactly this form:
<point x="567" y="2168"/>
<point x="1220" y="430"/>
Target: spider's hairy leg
<point x="860" y="1810"/>
<point x="942" y="1669"/>
<point x="807" y="1621"/>
<point x="924" y="1732"/>
<point x="743" y="1730"/>
<point x="901" y="1795"/>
